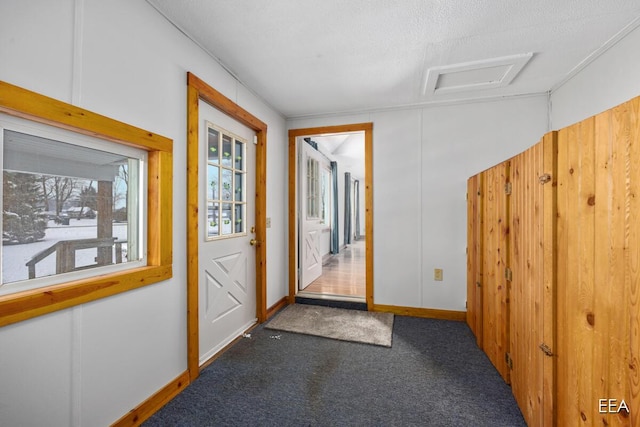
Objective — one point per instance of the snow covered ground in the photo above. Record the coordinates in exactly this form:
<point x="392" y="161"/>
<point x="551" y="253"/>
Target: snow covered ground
<point x="15" y="257"/>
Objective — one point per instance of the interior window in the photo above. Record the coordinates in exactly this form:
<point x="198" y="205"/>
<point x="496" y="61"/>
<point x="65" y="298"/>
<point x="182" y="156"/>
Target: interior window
<point x="71" y="205"/>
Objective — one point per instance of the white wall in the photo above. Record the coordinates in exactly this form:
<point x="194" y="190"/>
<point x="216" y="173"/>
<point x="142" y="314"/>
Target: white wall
<point x="609" y="80"/>
<point x="91" y="364"/>
<point x="421" y="161"/>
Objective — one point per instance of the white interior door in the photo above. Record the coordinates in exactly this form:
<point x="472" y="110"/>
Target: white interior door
<point x="227" y="292"/>
<point x="311" y="222"/>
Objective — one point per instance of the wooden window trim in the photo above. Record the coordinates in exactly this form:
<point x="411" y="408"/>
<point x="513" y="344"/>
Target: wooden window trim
<point x="19" y="306"/>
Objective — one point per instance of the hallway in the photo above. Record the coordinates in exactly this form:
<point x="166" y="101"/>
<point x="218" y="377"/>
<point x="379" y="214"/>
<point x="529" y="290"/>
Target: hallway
<point x="343" y="274"/>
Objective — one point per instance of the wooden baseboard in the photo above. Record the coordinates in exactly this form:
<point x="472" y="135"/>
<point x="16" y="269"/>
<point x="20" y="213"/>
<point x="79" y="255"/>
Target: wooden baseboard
<point x="430" y="313"/>
<point x="277" y="306"/>
<point x="146" y="409"/>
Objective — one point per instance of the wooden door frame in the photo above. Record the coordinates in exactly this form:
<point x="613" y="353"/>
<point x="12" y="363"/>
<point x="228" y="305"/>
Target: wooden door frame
<point x="367" y="128"/>
<point x="199" y="90"/>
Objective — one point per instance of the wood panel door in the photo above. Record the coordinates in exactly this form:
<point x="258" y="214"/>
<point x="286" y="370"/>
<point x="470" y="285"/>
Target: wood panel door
<point x="474" y="255"/>
<point x="495" y="292"/>
<point x="598" y="334"/>
<point x="226" y="255"/>
<point x="531" y="294"/>
<point x="311" y="210"/>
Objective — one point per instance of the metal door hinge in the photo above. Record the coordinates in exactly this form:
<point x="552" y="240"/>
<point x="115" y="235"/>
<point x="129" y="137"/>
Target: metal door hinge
<point x="546" y="350"/>
<point x="508" y="274"/>
<point x="508" y="360"/>
<point x="544" y="178"/>
<point x="507" y="188"/>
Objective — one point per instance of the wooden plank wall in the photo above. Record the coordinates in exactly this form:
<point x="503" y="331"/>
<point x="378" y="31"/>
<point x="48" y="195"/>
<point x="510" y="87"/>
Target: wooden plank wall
<point x="527" y="291"/>
<point x="525" y="258"/>
<point x="549" y="278"/>
<point x="495" y="297"/>
<point x="598" y="261"/>
<point x="474" y="256"/>
<point x="573" y="245"/>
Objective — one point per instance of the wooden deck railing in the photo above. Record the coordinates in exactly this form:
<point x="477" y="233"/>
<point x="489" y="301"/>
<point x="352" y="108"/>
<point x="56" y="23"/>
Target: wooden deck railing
<point x="65" y="251"/>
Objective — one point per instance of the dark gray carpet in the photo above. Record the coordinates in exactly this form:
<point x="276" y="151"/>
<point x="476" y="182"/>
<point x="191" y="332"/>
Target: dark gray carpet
<point x="434" y="375"/>
<point x="367" y="327"/>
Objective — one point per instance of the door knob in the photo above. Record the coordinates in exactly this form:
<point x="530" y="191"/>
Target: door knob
<point x="253" y="242"/>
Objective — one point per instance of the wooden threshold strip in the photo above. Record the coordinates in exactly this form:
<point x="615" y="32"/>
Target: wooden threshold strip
<point x="430" y="313"/>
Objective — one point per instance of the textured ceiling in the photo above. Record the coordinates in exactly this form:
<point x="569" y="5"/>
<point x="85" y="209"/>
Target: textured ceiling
<point x="345" y="148"/>
<point x="311" y="57"/>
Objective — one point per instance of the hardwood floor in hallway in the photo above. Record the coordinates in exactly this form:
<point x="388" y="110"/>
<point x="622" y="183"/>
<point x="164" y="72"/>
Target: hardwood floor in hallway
<point x="344" y="274"/>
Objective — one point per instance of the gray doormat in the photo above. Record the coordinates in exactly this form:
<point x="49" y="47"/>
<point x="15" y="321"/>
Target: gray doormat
<point x="347" y="325"/>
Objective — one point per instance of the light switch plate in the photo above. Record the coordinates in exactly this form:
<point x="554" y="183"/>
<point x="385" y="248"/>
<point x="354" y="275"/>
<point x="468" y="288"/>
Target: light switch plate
<point x="437" y="274"/>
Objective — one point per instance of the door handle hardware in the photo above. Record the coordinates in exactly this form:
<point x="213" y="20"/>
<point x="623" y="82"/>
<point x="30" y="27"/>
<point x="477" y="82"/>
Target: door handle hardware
<point x="253" y="242"/>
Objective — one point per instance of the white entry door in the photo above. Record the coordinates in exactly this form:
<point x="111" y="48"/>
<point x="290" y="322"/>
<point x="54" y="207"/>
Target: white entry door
<point x="227" y="291"/>
<point x="311" y="210"/>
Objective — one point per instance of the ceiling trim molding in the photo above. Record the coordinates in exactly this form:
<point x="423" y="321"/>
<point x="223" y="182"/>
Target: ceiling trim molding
<point x="631" y="26"/>
<point x="419" y="105"/>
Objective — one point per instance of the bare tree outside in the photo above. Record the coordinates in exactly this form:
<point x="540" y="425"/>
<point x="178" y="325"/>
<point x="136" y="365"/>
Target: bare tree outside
<point x="88" y="199"/>
<point x="59" y="189"/>
<point x="47" y="190"/>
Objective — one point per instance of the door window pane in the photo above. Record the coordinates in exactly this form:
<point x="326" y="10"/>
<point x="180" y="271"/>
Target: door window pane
<point x="213" y="178"/>
<point x="313" y="185"/>
<point x="238" y="194"/>
<point x="227" y="219"/>
<point x="239" y="218"/>
<point x="227" y="152"/>
<point x="239" y="155"/>
<point x="213" y="219"/>
<point x="226" y="182"/>
<point x="213" y="146"/>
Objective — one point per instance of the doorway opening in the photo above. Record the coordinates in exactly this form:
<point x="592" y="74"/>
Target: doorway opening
<point x="331" y="221"/>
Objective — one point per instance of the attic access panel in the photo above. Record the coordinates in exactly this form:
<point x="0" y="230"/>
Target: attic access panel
<point x="475" y="75"/>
